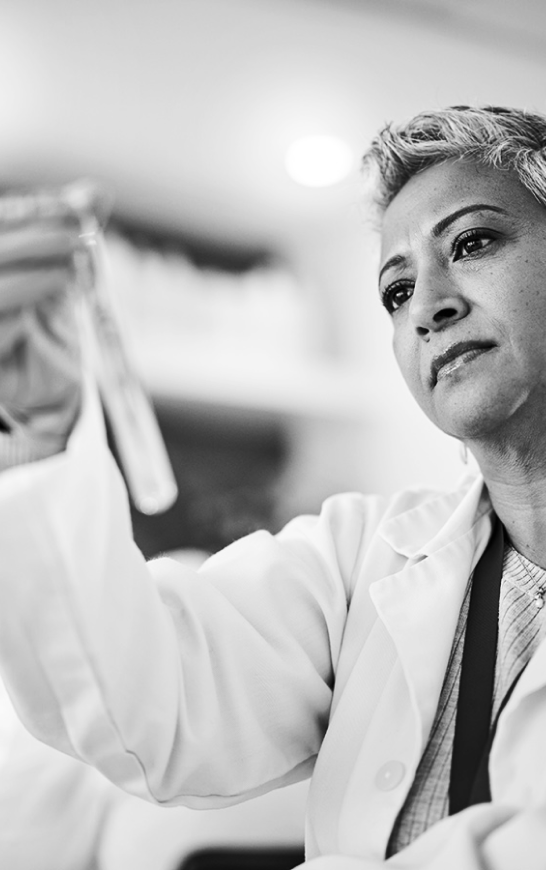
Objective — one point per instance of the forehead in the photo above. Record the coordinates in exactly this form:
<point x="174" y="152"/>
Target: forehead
<point x="445" y="188"/>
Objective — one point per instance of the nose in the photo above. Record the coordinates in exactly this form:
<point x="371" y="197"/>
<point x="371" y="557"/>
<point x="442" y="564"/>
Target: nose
<point x="435" y="305"/>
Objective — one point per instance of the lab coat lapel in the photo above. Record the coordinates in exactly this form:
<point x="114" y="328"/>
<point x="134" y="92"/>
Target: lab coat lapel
<point x="518" y="755"/>
<point x="393" y="663"/>
<point x="420" y="604"/>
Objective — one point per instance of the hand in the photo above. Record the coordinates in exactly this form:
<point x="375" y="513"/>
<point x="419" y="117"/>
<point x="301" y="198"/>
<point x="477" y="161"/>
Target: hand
<point x="40" y="380"/>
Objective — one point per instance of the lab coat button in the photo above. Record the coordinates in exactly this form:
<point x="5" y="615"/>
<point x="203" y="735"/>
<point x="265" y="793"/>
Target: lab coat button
<point x="390" y="775"/>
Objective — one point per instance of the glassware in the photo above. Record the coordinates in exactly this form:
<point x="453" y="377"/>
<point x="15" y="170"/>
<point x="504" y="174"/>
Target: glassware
<point x="136" y="432"/>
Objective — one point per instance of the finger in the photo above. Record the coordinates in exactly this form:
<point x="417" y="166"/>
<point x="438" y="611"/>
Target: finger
<point x="30" y="286"/>
<point x="55" y="318"/>
<point x="37" y="242"/>
<point x="13" y="330"/>
<point x="26" y="206"/>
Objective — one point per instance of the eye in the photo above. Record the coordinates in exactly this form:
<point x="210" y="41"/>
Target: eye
<point x="395" y="294"/>
<point x="471" y="243"/>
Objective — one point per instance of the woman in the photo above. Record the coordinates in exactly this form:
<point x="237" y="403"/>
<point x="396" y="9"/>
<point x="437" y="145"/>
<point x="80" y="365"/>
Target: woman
<point x="359" y="646"/>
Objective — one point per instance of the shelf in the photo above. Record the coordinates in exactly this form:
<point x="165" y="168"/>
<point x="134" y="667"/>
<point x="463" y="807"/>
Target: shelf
<point x="294" y="387"/>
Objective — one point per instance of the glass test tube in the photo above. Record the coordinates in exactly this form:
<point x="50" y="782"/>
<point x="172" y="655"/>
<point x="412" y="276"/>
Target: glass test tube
<point x="139" y="442"/>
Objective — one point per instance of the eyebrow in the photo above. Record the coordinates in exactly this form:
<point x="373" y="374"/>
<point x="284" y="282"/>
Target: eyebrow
<point x="441" y="227"/>
<point x="443" y="224"/>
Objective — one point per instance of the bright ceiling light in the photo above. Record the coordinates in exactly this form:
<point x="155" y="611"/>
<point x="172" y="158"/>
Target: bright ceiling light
<point x="319" y="161"/>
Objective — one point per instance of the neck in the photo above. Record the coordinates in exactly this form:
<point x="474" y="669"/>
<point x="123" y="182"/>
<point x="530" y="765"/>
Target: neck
<point x="516" y="480"/>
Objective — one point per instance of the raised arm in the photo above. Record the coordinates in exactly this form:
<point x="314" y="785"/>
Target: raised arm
<point x="201" y="689"/>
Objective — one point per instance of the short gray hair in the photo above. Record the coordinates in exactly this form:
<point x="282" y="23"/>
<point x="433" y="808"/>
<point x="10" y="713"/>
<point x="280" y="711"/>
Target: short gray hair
<point x="500" y="137"/>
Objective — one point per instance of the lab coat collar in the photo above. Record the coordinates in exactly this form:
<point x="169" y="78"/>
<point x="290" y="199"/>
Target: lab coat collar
<point x="428" y="527"/>
<point x="419" y="605"/>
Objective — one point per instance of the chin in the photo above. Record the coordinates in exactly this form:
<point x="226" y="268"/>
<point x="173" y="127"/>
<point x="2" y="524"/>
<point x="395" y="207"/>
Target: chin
<point x="475" y="420"/>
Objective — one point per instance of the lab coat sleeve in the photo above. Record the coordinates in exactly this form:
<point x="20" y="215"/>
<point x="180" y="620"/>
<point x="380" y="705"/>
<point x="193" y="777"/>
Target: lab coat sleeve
<point x="201" y="689"/>
<point x="53" y="809"/>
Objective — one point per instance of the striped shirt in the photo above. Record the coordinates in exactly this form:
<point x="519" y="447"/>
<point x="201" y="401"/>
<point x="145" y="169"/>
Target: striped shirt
<point x="521" y="628"/>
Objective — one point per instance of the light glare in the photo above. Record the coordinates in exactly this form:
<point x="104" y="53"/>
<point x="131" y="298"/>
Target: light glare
<point x="319" y="161"/>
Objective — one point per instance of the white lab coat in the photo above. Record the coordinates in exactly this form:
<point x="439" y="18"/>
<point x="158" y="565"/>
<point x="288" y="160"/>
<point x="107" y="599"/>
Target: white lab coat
<point x="318" y="651"/>
<point x="53" y="809"/>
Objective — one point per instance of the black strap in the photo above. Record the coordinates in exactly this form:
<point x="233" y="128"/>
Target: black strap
<point x="473" y="737"/>
<point x="481" y="790"/>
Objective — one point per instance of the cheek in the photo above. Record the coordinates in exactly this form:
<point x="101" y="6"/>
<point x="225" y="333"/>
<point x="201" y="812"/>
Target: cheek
<point x="406" y="353"/>
<point x="406" y="356"/>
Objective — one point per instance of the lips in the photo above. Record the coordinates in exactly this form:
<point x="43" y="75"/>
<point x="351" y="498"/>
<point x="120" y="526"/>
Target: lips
<point x="471" y="349"/>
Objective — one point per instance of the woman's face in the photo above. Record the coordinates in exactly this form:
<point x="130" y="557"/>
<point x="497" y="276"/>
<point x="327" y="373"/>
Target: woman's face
<point x="463" y="276"/>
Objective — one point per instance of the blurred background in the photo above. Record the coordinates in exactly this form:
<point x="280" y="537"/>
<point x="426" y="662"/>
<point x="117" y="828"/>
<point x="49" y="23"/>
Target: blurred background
<point x="241" y="255"/>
